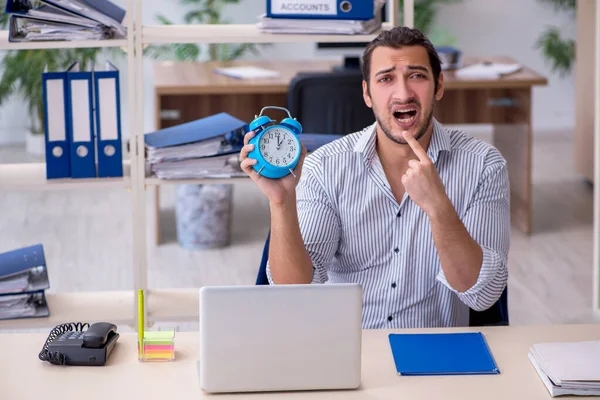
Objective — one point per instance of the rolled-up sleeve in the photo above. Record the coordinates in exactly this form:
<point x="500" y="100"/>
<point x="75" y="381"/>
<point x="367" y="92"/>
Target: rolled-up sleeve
<point x="319" y="223"/>
<point x="487" y="219"/>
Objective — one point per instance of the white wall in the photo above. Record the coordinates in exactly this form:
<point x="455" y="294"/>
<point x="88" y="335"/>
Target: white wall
<point x="511" y="28"/>
<point x="482" y="27"/>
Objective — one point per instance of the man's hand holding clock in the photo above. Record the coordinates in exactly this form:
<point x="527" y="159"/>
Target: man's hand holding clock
<point x="278" y="191"/>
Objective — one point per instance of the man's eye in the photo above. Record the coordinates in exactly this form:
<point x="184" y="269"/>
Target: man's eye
<point x="385" y="79"/>
<point x="419" y="76"/>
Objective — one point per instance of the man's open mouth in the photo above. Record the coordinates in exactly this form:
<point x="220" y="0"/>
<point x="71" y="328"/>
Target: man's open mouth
<point x="405" y="116"/>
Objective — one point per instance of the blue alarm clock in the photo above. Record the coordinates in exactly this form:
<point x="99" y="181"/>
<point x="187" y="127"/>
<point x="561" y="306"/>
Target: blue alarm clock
<point x="276" y="146"/>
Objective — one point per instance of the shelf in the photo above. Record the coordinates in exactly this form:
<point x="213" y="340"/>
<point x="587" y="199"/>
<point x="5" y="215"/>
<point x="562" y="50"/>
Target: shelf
<point x="118" y="307"/>
<point x="236" y="33"/>
<point x="152" y="181"/>
<point x="6" y="45"/>
<point x="111" y="306"/>
<point x="33" y="176"/>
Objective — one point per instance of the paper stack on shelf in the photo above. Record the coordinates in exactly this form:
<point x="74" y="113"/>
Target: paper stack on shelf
<point x="23" y="281"/>
<point x="206" y="148"/>
<point x="568" y="368"/>
<point x="64" y="20"/>
<point x="223" y="166"/>
<point x="305" y="23"/>
<point x="318" y="27"/>
<point x="197" y="149"/>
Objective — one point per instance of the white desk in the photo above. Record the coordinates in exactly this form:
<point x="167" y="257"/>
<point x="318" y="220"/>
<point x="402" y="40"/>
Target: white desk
<point x="24" y="376"/>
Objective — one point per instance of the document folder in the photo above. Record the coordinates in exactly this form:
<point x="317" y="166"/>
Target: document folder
<point x="442" y="354"/>
<point x="322" y="9"/>
<point x="54" y="95"/>
<point x="102" y="11"/>
<point x="218" y="125"/>
<point x="25" y="8"/>
<point x="206" y="137"/>
<point x="108" y="122"/>
<point x="80" y="122"/>
<point x="23" y="270"/>
<point x="23" y="279"/>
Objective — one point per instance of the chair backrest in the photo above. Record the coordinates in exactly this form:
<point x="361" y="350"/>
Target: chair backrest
<point x="496" y="315"/>
<point x="493" y="316"/>
<point x="329" y="102"/>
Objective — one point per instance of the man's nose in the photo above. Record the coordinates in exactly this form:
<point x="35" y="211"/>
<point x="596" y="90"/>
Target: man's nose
<point x="403" y="92"/>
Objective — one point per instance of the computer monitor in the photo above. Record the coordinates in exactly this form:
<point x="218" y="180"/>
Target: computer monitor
<point x="351" y="51"/>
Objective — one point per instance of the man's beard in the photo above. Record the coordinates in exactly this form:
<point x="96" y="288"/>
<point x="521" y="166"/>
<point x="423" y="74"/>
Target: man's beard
<point x="388" y="131"/>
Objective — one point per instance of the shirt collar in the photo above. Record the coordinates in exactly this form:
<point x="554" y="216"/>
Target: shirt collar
<point x="440" y="141"/>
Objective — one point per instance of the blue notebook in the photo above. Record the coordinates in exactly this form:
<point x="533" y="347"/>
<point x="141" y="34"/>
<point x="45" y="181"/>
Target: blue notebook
<point x="442" y="354"/>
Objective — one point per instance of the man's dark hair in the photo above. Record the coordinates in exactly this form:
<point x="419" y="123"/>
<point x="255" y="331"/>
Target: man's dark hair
<point x="396" y="38"/>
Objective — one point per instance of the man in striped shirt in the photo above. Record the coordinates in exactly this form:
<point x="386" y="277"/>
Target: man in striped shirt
<point x="416" y="213"/>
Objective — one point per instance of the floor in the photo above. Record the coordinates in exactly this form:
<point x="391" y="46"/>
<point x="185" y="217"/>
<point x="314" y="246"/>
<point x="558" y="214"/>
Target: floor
<point x="87" y="239"/>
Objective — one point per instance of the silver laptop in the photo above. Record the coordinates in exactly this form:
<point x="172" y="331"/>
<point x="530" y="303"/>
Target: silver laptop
<point x="281" y="337"/>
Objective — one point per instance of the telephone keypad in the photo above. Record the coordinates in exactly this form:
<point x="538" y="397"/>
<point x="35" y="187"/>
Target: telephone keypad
<point x="70" y="335"/>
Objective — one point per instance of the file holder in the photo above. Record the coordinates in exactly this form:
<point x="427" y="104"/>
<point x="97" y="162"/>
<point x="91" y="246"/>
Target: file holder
<point x="157" y="346"/>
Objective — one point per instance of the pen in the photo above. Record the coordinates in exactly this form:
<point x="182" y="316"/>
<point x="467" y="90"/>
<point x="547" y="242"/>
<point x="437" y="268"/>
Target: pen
<point x="140" y="322"/>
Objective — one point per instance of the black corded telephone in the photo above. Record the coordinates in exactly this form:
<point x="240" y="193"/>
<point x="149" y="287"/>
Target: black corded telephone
<point x="70" y="344"/>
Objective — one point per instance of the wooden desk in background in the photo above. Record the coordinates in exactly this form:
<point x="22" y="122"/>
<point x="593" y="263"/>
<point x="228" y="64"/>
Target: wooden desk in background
<point x="124" y="377"/>
<point x="188" y="91"/>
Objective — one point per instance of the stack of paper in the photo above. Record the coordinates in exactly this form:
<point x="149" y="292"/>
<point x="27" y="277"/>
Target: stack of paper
<point x="308" y="25"/>
<point x="568" y="368"/>
<point x="205" y="148"/>
<point x="487" y="71"/>
<point x="64" y="20"/>
<point x="318" y="27"/>
<point x="247" y="72"/>
<point x="223" y="166"/>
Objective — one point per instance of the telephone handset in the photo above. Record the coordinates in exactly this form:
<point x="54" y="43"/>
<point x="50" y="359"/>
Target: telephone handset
<point x="72" y="344"/>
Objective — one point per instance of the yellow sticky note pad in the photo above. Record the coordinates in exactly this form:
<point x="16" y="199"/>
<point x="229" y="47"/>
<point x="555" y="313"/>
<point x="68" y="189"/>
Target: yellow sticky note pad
<point x="158" y="346"/>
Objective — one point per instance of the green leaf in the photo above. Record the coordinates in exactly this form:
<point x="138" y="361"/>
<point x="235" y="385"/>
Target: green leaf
<point x="163" y="20"/>
<point x="559" y="52"/>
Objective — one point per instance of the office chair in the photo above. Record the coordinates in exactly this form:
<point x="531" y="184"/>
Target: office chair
<point x="329" y="102"/>
<point x="496" y="315"/>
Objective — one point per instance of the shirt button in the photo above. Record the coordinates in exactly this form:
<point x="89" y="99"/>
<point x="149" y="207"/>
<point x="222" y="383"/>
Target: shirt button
<point x="394" y="285"/>
<point x="390" y="318"/>
<point x="396" y="250"/>
<point x="399" y="214"/>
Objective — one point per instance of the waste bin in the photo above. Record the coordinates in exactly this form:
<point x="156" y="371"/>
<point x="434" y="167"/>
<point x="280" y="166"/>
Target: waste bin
<point x="203" y="215"/>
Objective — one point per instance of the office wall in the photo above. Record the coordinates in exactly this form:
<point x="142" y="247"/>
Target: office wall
<point x="482" y="27"/>
<point x="511" y="27"/>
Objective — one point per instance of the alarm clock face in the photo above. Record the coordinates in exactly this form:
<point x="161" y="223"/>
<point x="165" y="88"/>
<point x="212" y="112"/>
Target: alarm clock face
<point x="279" y="147"/>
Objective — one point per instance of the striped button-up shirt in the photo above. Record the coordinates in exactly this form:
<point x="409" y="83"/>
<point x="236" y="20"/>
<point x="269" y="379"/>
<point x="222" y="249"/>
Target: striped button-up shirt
<point x="355" y="231"/>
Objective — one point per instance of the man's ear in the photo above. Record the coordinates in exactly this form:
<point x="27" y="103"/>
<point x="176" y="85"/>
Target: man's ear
<point x="366" y="95"/>
<point x="440" y="90"/>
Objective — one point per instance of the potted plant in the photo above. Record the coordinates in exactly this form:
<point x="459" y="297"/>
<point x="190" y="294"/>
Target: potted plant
<point x="558" y="51"/>
<point x="21" y="73"/>
<point x="425" y="12"/>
